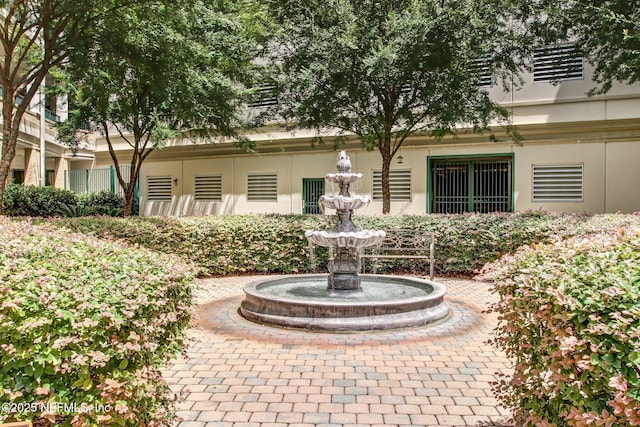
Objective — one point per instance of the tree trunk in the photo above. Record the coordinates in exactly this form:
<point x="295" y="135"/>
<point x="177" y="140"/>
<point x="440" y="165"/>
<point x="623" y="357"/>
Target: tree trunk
<point x="385" y="150"/>
<point x="8" y="144"/>
<point x="4" y="174"/>
<point x="128" y="198"/>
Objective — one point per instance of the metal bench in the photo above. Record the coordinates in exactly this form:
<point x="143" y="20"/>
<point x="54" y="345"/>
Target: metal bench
<point x="402" y="244"/>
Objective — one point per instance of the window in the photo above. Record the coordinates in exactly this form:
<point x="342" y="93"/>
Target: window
<point x="471" y="185"/>
<point x="262" y="187"/>
<point x="159" y="188"/>
<point x="554" y="63"/>
<point x="18" y="176"/>
<point x="557" y="183"/>
<point x="312" y="190"/>
<point x="50" y="178"/>
<point x="208" y="188"/>
<point x="399" y="185"/>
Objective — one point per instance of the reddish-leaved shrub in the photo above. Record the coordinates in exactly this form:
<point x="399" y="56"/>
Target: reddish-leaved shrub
<point x="569" y="318"/>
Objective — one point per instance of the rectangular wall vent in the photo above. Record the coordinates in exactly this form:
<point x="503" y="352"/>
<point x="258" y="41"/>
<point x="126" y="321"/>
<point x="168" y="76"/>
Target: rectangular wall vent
<point x="262" y="187"/>
<point x="265" y="96"/>
<point x="159" y="188"/>
<point x="558" y="183"/>
<point x="208" y="188"/>
<point x="482" y="68"/>
<point x="555" y="63"/>
<point x="399" y="185"/>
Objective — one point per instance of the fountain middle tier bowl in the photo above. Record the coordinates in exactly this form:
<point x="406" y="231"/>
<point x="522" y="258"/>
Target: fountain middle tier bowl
<point x="355" y="239"/>
<point x="344" y="202"/>
<point x="344" y="177"/>
<point x="386" y="302"/>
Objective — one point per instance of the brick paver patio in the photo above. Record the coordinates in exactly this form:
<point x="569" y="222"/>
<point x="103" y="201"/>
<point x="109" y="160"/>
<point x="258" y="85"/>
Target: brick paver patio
<point x="242" y="374"/>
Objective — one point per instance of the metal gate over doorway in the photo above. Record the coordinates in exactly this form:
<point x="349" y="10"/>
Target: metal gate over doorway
<point x="478" y="185"/>
<point x="312" y="189"/>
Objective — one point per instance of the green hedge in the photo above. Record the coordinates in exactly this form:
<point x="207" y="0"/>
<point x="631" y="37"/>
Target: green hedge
<point x="37" y="201"/>
<point x="569" y="318"/>
<point x="88" y="323"/>
<point x="238" y="244"/>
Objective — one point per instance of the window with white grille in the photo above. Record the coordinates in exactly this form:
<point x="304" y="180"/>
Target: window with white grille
<point x="262" y="187"/>
<point x="554" y="63"/>
<point x="399" y="185"/>
<point x="159" y="188"/>
<point x="208" y="188"/>
<point x="558" y="183"/>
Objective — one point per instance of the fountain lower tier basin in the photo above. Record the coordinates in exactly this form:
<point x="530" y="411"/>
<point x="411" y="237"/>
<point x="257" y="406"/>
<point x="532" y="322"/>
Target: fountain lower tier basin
<point x="385" y="302"/>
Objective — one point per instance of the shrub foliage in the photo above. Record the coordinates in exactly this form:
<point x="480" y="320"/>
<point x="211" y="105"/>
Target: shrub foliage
<point x="88" y="322"/>
<point x="37" y="201"/>
<point x="276" y="244"/>
<point x="569" y="317"/>
<point x="31" y="200"/>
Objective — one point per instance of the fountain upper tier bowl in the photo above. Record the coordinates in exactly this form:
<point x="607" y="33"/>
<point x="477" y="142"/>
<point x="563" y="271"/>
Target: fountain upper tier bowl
<point x="344" y="202"/>
<point x="344" y="177"/>
<point x="342" y="239"/>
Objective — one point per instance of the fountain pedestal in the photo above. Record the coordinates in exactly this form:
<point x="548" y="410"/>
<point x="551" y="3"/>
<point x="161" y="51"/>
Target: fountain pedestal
<point x="343" y="273"/>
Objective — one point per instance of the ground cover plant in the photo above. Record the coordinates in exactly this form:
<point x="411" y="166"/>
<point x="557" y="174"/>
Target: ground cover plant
<point x="244" y="244"/>
<point x="569" y="318"/>
<point x="88" y="323"/>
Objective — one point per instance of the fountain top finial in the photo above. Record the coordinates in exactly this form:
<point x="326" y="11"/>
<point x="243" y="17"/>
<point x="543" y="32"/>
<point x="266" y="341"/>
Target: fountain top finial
<point x="343" y="164"/>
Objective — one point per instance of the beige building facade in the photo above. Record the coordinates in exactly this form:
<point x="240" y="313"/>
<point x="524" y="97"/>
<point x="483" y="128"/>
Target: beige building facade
<point x="578" y="154"/>
<point x="59" y="159"/>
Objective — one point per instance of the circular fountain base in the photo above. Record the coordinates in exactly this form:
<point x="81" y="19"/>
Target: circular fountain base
<point x="385" y="302"/>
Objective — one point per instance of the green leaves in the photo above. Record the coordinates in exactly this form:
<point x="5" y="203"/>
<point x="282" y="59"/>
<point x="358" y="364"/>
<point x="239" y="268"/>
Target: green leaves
<point x="384" y="70"/>
<point x="89" y="321"/>
<point x="161" y="71"/>
<point x="600" y="30"/>
<point x="275" y="243"/>
<point x="576" y="303"/>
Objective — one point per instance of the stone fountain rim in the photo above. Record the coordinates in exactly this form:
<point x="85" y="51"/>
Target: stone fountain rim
<point x="438" y="293"/>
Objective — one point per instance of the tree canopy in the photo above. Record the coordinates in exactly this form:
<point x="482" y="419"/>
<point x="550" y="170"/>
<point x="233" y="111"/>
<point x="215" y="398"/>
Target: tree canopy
<point x="607" y="32"/>
<point x="35" y="37"/>
<point x="383" y="70"/>
<point x="169" y="70"/>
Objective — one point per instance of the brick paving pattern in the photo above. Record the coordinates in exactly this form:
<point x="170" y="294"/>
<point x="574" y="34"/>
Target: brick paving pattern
<point x="238" y="373"/>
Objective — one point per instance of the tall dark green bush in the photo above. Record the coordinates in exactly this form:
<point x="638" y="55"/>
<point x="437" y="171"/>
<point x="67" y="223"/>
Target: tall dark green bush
<point x="569" y="318"/>
<point x="102" y="203"/>
<point x="102" y="199"/>
<point x="88" y="322"/>
<point x="36" y="201"/>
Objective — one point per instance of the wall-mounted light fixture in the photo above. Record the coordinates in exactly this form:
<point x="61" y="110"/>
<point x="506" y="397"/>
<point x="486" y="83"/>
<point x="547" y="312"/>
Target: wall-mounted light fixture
<point x="400" y="159"/>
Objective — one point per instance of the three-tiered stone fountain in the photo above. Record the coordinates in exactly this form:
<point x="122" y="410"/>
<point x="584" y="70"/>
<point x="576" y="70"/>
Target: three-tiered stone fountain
<point x="344" y="300"/>
<point x="344" y="242"/>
